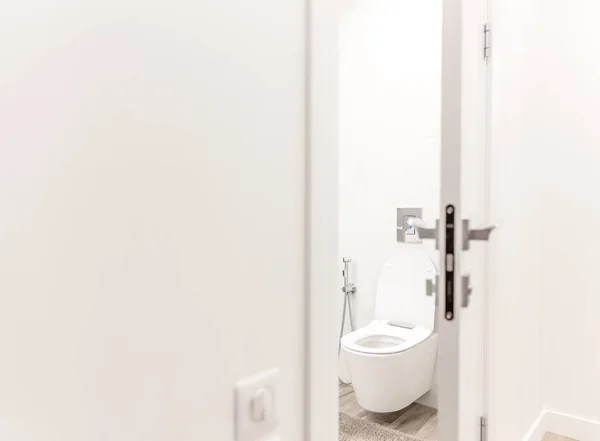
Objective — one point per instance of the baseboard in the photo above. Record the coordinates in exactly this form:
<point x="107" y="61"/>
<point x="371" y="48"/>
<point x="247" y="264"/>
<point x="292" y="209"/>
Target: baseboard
<point x="565" y="425"/>
<point x="537" y="430"/>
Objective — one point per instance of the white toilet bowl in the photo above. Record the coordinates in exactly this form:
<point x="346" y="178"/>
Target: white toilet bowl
<point x="390" y="367"/>
<point x="391" y="360"/>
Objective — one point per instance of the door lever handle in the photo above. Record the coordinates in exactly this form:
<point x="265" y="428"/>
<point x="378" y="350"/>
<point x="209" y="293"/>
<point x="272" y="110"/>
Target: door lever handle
<point x="424" y="231"/>
<point x="479" y="233"/>
<point x="467" y="289"/>
<point x="431" y="287"/>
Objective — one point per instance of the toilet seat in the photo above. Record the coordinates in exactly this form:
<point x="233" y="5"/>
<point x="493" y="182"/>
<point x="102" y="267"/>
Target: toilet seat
<point x="379" y="338"/>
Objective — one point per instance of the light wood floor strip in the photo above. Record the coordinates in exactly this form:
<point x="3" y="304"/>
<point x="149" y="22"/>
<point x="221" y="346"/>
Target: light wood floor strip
<point x="416" y="419"/>
<point x="429" y="431"/>
<point x="552" y="437"/>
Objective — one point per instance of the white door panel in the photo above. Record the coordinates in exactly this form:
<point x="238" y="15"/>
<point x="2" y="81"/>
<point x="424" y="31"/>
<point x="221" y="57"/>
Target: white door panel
<point x="474" y="192"/>
<point x="463" y="189"/>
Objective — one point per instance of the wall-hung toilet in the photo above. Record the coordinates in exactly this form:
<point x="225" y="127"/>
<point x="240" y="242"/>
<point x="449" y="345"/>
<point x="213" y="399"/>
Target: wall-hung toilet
<point x="391" y="360"/>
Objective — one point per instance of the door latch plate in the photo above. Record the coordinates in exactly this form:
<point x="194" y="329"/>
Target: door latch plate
<point x="449" y="259"/>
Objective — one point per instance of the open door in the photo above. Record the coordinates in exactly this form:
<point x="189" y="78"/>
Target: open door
<point x="460" y="287"/>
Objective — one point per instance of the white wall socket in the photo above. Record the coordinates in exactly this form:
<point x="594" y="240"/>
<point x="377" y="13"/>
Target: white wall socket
<point x="256" y="407"/>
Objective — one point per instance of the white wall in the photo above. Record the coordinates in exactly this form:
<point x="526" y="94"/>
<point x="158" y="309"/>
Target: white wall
<point x="151" y="215"/>
<point x="390" y="56"/>
<point x="514" y="279"/>
<point x="515" y="285"/>
<point x="568" y="149"/>
<point x="545" y="336"/>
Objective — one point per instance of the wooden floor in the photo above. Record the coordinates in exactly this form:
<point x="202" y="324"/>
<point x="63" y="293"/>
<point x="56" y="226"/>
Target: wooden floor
<point x="553" y="437"/>
<point x="416" y="419"/>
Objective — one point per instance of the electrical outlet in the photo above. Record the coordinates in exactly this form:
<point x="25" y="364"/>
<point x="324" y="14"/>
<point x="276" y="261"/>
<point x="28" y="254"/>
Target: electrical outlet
<point x="256" y="408"/>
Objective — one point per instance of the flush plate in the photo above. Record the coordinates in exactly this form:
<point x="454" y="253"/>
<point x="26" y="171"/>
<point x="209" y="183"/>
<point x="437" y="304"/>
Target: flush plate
<point x="404" y="232"/>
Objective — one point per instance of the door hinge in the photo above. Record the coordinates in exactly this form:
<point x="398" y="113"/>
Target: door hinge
<point x="486" y="41"/>
<point x="482" y="429"/>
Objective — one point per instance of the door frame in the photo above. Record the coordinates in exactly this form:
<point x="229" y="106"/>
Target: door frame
<point x="321" y="221"/>
<point x="321" y="233"/>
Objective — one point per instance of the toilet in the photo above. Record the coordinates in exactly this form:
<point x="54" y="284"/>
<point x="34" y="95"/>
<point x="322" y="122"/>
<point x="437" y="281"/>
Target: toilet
<point x="391" y="360"/>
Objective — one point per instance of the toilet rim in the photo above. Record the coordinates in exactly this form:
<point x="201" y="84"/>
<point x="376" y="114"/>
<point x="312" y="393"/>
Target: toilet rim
<point x="410" y="337"/>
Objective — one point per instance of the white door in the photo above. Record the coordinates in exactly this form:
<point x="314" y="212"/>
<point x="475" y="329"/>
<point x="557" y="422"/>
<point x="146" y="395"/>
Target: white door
<point x="464" y="198"/>
<point x="151" y="215"/>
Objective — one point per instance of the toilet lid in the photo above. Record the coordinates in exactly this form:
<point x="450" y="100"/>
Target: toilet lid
<point x="401" y="293"/>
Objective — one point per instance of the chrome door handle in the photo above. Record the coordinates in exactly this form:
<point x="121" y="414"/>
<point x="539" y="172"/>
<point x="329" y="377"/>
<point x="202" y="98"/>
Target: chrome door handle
<point x="424" y="231"/>
<point x="479" y="233"/>
<point x="467" y="289"/>
<point x="429" y="287"/>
